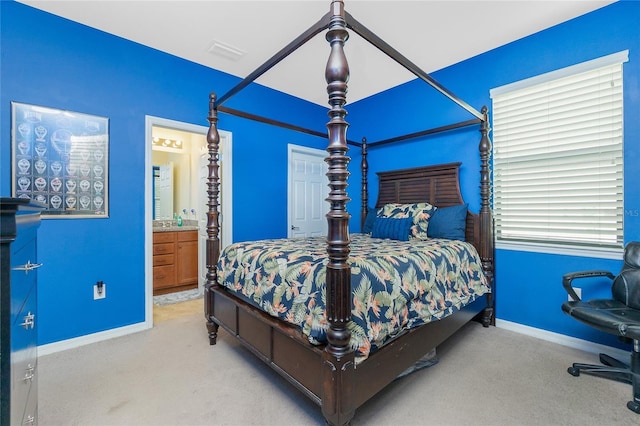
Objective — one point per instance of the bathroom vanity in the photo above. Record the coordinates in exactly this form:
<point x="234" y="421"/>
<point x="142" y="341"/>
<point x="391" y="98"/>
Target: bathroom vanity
<point x="175" y="258"/>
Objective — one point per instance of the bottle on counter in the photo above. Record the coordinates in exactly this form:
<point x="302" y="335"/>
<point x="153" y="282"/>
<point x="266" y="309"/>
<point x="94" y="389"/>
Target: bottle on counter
<point x="179" y="220"/>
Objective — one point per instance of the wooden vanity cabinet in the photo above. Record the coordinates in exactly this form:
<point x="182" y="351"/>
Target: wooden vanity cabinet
<point x="187" y="258"/>
<point x="175" y="261"/>
<point x="164" y="269"/>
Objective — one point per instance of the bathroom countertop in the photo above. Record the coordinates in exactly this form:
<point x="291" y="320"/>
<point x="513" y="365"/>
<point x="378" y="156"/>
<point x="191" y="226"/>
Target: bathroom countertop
<point x="175" y="228"/>
<point x="172" y="225"/>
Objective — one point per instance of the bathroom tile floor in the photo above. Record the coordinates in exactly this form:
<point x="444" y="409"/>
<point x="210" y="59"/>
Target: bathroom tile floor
<point x="180" y="296"/>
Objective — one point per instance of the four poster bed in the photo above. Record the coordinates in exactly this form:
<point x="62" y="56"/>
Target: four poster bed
<point x="343" y="316"/>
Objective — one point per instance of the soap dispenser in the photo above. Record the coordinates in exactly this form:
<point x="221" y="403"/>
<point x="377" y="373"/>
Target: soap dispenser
<point x="179" y="220"/>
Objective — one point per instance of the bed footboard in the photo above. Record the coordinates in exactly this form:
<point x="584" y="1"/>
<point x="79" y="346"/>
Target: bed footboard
<point x="276" y="343"/>
<point x="287" y="351"/>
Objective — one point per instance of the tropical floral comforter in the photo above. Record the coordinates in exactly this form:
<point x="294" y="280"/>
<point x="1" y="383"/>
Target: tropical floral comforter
<point x="396" y="285"/>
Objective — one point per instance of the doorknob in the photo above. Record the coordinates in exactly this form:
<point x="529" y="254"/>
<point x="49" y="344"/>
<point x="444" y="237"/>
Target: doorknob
<point x="295" y="228"/>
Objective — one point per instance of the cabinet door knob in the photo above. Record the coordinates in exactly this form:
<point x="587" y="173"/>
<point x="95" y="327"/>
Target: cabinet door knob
<point x="295" y="228"/>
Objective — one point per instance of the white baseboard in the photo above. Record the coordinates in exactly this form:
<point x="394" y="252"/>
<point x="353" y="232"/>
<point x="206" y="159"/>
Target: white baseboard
<point x="561" y="339"/>
<point x="63" y="345"/>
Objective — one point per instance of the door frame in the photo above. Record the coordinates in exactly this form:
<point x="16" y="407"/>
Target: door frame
<point x="226" y="188"/>
<point x="292" y="148"/>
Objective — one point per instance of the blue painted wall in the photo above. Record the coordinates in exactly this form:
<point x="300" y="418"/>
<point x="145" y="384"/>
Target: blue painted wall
<point x="53" y="62"/>
<point x="528" y="285"/>
<point x="49" y="61"/>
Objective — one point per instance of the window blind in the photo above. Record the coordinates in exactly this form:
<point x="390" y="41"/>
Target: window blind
<point x="558" y="159"/>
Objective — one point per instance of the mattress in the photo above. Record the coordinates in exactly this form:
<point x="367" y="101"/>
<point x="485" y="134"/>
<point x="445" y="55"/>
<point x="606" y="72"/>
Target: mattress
<point x="396" y="285"/>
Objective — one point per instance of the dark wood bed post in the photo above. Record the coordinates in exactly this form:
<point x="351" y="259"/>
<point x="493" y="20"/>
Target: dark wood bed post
<point x="213" y="228"/>
<point x="364" y="167"/>
<point x="338" y="359"/>
<point x="486" y="218"/>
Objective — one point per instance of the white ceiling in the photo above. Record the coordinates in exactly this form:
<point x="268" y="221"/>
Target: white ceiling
<point x="432" y="34"/>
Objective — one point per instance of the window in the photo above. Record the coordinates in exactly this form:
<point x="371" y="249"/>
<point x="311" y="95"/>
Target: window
<point x="558" y="157"/>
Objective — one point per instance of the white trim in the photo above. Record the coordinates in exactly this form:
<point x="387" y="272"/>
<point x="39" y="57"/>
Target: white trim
<point x="226" y="147"/>
<point x="88" y="339"/>
<point x="614" y="58"/>
<point x="614" y="254"/>
<point x="148" y="222"/>
<point x="561" y="339"/>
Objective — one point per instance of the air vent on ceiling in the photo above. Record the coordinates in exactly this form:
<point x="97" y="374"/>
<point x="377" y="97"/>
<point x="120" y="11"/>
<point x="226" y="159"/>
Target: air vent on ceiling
<point x="226" y="50"/>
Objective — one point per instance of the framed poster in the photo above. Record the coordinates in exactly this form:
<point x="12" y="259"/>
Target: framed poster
<point x="61" y="159"/>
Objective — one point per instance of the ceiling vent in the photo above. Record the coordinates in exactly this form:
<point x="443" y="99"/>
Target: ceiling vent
<point x="226" y="50"/>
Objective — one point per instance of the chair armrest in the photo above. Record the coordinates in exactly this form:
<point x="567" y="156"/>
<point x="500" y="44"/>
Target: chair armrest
<point x="567" y="279"/>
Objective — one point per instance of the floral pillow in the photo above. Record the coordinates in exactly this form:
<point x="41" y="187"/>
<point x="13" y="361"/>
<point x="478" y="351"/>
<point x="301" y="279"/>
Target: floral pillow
<point x="421" y="213"/>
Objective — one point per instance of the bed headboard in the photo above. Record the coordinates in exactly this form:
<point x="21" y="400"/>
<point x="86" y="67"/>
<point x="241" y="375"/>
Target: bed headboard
<point x="438" y="185"/>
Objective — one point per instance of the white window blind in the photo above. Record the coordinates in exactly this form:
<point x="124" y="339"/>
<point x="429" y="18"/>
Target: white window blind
<point x="558" y="157"/>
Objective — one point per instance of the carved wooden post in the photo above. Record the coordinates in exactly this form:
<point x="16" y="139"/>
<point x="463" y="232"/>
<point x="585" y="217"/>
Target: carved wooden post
<point x="338" y="360"/>
<point x="213" y="228"/>
<point x="486" y="218"/>
<point x="364" y="167"/>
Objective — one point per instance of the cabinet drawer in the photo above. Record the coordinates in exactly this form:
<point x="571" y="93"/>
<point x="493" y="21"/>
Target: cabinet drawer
<point x="164" y="248"/>
<point x="187" y="235"/>
<point x="164" y="237"/>
<point x="24" y="356"/>
<point x="164" y="276"/>
<point x="23" y="387"/>
<point x="22" y="281"/>
<point x="163" y="259"/>
<point x="31" y="409"/>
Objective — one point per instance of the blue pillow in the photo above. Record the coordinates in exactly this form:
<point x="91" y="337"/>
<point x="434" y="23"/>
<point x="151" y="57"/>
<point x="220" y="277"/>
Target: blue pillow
<point x="370" y="220"/>
<point x="449" y="222"/>
<point x="392" y="228"/>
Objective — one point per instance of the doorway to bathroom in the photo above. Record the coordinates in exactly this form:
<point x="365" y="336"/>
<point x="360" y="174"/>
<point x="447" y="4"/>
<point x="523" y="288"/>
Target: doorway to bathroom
<point x="176" y="206"/>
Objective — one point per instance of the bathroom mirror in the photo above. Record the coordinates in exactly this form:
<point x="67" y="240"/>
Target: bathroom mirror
<point x="174" y="157"/>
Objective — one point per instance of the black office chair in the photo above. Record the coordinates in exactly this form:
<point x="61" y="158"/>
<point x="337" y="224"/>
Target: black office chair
<point x="619" y="316"/>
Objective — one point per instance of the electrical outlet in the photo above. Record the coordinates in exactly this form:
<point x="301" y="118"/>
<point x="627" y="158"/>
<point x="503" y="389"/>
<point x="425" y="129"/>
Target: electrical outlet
<point x="578" y="291"/>
<point x="99" y="291"/>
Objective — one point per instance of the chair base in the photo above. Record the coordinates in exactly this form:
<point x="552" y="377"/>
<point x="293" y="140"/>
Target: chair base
<point x="614" y="369"/>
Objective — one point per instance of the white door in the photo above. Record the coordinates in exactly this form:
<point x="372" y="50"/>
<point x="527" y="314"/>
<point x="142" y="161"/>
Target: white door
<point x="308" y="191"/>
<point x="165" y="192"/>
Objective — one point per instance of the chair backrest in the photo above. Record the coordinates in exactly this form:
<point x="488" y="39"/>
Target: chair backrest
<point x="626" y="286"/>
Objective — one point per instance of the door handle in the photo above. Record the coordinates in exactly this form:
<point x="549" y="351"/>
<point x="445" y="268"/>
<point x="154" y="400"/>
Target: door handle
<point x="29" y="321"/>
<point x="295" y="228"/>
<point x="27" y="267"/>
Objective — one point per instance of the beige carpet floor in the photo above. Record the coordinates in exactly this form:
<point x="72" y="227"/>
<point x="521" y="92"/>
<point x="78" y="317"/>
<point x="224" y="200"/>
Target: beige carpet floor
<point x="169" y="375"/>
